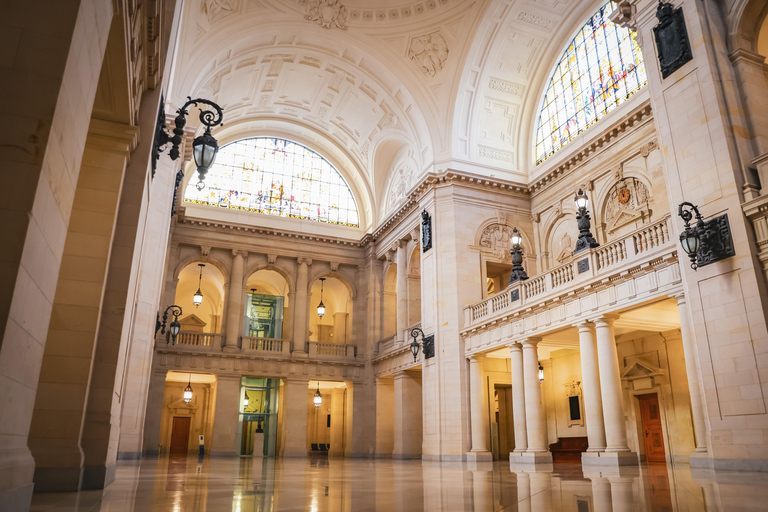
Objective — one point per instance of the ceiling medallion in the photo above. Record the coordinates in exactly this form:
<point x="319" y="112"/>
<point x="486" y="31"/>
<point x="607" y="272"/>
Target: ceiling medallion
<point x="327" y="13"/>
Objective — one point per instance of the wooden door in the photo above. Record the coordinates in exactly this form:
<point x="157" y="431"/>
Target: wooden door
<point x="180" y="435"/>
<point x="652" y="432"/>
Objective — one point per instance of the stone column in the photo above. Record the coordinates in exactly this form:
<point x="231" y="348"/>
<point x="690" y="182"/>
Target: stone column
<point x="301" y="308"/>
<point x="294" y="435"/>
<point x="534" y="408"/>
<point x="408" y="427"/>
<point x="235" y="302"/>
<point x="385" y="417"/>
<point x="402" y="290"/>
<point x="152" y="420"/>
<point x="337" y="421"/>
<point x="226" y="416"/>
<point x="590" y="382"/>
<point x="692" y="370"/>
<point x="518" y="399"/>
<point x="616" y="451"/>
<point x="479" y="412"/>
<point x="340" y="328"/>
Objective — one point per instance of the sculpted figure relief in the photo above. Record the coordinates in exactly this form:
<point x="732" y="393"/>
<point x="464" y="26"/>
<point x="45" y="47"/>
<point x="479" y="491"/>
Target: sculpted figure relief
<point x="400" y="186"/>
<point x="429" y="52"/>
<point x="327" y="13"/>
<point x="496" y="238"/>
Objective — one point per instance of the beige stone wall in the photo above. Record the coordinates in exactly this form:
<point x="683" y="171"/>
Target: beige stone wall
<point x="200" y="410"/>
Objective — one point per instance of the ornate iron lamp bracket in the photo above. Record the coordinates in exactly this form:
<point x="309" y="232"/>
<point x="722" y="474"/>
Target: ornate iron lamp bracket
<point x="715" y="241"/>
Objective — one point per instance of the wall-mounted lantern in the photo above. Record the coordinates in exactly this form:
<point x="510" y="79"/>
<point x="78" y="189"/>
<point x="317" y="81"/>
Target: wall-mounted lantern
<point x="175" y="325"/>
<point x="708" y="241"/>
<point x="204" y="147"/>
<point x="518" y="272"/>
<point x="541" y="373"/>
<point x="428" y="341"/>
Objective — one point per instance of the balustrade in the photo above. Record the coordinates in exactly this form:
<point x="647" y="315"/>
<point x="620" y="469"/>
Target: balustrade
<point x="200" y="339"/>
<point x="255" y="344"/>
<point x="639" y="244"/>
<point x="318" y="349"/>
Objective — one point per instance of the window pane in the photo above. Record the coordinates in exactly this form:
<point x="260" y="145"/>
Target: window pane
<point x="276" y="177"/>
<point x="599" y="70"/>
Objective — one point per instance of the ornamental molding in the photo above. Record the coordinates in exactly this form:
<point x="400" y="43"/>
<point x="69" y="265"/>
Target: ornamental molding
<point x="327" y="13"/>
<point x="536" y="21"/>
<point x="602" y="141"/>
<point x="429" y="52"/>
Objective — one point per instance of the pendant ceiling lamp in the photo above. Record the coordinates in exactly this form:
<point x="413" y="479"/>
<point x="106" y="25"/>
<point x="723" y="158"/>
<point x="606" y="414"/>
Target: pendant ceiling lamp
<point x="321" y="306"/>
<point x="318" y="399"/>
<point x="188" y="390"/>
<point x="198" y="297"/>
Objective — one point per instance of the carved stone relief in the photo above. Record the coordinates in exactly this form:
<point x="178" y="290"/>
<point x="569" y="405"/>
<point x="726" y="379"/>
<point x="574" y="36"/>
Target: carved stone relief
<point x="496" y="239"/>
<point x="565" y="249"/>
<point x="429" y="52"/>
<point x="401" y="183"/>
<point x="628" y="201"/>
<point x="327" y="13"/>
<point x="216" y="9"/>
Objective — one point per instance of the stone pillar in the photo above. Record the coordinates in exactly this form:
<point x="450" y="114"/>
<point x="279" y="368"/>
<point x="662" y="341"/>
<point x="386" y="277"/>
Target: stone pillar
<point x="537" y="451"/>
<point x="70" y="370"/>
<point x="235" y="303"/>
<point x="479" y="412"/>
<point x="408" y="424"/>
<point x="226" y="416"/>
<point x="692" y="370"/>
<point x="337" y="421"/>
<point x="294" y="434"/>
<point x="153" y="418"/>
<point x="402" y="290"/>
<point x="590" y="382"/>
<point x="301" y="308"/>
<point x="518" y="399"/>
<point x="385" y="417"/>
<point x="340" y="328"/>
<point x="616" y="451"/>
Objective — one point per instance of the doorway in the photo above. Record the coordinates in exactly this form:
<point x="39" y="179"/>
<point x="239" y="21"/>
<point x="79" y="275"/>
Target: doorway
<point x="653" y="435"/>
<point x="180" y="435"/>
<point x="502" y="423"/>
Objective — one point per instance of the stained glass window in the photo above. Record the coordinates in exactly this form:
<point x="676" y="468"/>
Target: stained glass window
<point x="276" y="177"/>
<point x="600" y="69"/>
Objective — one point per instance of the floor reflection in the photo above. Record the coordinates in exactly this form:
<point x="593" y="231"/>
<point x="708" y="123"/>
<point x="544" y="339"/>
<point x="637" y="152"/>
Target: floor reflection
<point x="318" y="485"/>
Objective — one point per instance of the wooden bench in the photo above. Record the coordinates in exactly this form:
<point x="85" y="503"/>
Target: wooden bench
<point x="568" y="449"/>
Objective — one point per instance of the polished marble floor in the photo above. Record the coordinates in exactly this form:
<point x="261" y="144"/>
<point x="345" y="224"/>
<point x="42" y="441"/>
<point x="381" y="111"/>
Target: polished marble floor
<point x="319" y="484"/>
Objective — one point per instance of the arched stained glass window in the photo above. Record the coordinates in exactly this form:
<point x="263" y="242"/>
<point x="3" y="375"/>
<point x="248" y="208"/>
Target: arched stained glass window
<point x="600" y="69"/>
<point x="276" y="177"/>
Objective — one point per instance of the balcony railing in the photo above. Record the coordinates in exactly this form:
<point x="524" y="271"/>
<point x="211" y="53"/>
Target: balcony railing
<point x="642" y="243"/>
<point x="198" y="339"/>
<point x="320" y="350"/>
<point x="268" y="345"/>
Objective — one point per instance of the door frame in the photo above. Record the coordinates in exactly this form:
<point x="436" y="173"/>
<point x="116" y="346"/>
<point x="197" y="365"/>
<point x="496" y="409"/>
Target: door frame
<point x="170" y="432"/>
<point x="638" y="422"/>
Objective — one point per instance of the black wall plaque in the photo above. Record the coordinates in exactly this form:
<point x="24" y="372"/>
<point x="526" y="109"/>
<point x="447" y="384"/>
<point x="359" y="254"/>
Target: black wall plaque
<point x="426" y="231"/>
<point x="429" y="346"/>
<point x="671" y="39"/>
<point x="582" y="265"/>
<point x="514" y="295"/>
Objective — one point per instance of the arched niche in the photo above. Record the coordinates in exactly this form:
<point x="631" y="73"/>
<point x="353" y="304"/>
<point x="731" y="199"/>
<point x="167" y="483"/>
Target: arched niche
<point x="267" y="311"/>
<point x="337" y="297"/>
<point x="493" y="240"/>
<point x="207" y="316"/>
<point x="626" y="204"/>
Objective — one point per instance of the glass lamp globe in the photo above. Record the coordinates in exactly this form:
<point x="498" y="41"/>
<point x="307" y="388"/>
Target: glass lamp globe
<point x="321" y="309"/>
<point x="414" y="348"/>
<point x="690" y="242"/>
<point x="245" y="401"/>
<point x="516" y="239"/>
<point x="204" y="150"/>
<point x="582" y="201"/>
<point x="197" y="299"/>
<point x="175" y="328"/>
<point x="188" y="393"/>
<point x="318" y="398"/>
<point x="541" y="373"/>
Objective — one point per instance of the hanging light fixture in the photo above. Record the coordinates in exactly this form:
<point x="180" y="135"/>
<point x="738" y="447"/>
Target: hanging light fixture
<point x="188" y="390"/>
<point x="318" y="398"/>
<point x="245" y="400"/>
<point x="198" y="297"/>
<point x="321" y="306"/>
<point x="541" y="373"/>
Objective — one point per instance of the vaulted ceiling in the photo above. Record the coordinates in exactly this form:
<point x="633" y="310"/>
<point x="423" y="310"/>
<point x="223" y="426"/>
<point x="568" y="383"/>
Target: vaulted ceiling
<point x="387" y="90"/>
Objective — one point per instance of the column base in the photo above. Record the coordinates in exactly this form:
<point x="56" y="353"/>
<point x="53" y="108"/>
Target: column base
<point x="537" y="460"/>
<point x="479" y="456"/>
<point x="98" y="477"/>
<point x="299" y="354"/>
<point x="58" y="479"/>
<point x="609" y="459"/>
<point x="406" y="456"/>
<point x="17" y="499"/>
<point x="230" y="349"/>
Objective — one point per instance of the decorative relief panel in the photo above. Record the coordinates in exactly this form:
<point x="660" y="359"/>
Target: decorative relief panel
<point x="401" y="184"/>
<point x="218" y="9"/>
<point x="628" y="201"/>
<point x="327" y="13"/>
<point x="496" y="239"/>
<point x="429" y="52"/>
